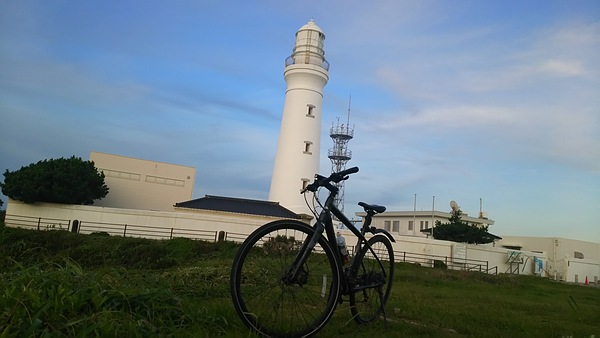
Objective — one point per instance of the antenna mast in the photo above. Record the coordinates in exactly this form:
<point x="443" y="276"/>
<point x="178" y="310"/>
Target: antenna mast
<point x="339" y="154"/>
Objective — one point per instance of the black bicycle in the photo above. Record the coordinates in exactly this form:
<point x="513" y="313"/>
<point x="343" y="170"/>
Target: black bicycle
<point x="288" y="277"/>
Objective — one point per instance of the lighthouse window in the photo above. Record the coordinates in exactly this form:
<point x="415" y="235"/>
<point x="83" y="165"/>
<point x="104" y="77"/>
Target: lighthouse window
<point x="307" y="146"/>
<point x="321" y="42"/>
<point x="304" y="183"/>
<point x="311" y="111"/>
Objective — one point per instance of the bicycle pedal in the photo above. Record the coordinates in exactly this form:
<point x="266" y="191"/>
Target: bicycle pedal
<point x="341" y="299"/>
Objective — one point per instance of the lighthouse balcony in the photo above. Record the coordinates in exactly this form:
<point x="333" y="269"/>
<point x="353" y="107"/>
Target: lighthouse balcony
<point x="307" y="59"/>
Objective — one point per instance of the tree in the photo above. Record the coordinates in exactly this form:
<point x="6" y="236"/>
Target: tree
<point x="67" y="181"/>
<point x="2" y="214"/>
<point x="457" y="230"/>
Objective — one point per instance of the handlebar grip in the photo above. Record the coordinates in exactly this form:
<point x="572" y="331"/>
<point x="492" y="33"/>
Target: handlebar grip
<point x="321" y="181"/>
<point x="348" y="171"/>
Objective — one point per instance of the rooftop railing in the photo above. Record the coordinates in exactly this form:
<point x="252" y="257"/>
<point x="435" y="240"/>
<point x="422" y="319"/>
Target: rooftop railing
<point x="307" y="59"/>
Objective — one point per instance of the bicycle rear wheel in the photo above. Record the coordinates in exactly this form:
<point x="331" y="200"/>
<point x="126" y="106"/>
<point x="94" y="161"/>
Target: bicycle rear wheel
<point x="266" y="300"/>
<point x="373" y="282"/>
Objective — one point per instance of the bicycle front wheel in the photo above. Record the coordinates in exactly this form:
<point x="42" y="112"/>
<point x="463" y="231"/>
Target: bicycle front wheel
<point x="267" y="299"/>
<point x="373" y="281"/>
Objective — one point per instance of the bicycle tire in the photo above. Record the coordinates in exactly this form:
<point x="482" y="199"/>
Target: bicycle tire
<point x="366" y="304"/>
<point x="271" y="307"/>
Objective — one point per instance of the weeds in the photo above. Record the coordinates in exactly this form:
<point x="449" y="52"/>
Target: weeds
<point x="97" y="286"/>
<point x="62" y="299"/>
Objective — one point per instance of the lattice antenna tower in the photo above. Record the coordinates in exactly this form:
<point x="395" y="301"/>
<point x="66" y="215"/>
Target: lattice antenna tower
<point x="340" y="154"/>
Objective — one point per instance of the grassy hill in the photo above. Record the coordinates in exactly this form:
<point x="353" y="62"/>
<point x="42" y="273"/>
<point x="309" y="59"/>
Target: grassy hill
<point x="61" y="284"/>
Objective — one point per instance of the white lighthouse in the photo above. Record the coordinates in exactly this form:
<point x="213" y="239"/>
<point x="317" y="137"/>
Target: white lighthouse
<point x="298" y="151"/>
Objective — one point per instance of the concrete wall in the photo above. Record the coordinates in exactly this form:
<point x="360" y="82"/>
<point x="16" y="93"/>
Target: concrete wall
<point x="580" y="269"/>
<point x="92" y="215"/>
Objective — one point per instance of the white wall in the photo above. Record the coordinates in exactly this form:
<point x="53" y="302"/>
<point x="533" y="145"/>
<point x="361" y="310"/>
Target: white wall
<point x="580" y="269"/>
<point x="89" y="215"/>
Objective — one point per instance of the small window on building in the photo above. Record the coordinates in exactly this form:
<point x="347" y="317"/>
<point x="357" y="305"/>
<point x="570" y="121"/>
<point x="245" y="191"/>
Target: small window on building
<point x="410" y="225"/>
<point x="396" y="226"/>
<point x="578" y="255"/>
<point x="422" y="225"/>
<point x="307" y="147"/>
<point x="426" y="224"/>
<point x="304" y="183"/>
<point x="386" y="225"/>
<point x="311" y="110"/>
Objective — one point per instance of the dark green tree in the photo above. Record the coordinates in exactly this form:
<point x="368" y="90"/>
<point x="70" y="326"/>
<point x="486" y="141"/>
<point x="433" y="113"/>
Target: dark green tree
<point x="2" y="214"/>
<point x="457" y="230"/>
<point x="64" y="180"/>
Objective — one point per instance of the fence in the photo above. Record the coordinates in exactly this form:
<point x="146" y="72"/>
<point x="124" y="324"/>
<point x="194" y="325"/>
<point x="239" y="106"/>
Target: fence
<point x="445" y="261"/>
<point x="113" y="229"/>
<point x="37" y="223"/>
<point x="146" y="231"/>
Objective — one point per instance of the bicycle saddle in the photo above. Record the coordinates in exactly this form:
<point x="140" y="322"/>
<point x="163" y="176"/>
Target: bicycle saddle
<point x="373" y="207"/>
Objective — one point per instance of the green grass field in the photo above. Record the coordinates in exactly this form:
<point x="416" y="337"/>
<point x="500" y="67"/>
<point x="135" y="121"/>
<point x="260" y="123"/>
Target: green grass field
<point x="59" y="284"/>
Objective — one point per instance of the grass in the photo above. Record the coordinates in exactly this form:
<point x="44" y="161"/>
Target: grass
<point x="61" y="284"/>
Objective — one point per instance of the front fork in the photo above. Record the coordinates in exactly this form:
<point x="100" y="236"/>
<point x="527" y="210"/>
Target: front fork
<point x="296" y="272"/>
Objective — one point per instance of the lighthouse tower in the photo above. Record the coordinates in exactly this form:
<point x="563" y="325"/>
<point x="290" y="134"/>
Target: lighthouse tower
<point x="298" y="150"/>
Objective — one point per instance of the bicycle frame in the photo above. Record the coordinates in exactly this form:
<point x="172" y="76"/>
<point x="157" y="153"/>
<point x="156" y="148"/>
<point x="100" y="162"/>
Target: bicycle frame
<point x="324" y="223"/>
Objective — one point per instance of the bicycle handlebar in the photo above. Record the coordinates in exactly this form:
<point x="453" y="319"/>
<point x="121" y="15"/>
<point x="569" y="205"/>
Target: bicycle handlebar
<point x="321" y="181"/>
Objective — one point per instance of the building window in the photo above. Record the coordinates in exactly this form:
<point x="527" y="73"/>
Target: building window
<point x="307" y="146"/>
<point x="311" y="110"/>
<point x="304" y="184"/>
<point x="426" y="224"/>
<point x="164" y="180"/>
<point x="422" y="225"/>
<point x="396" y="226"/>
<point x="386" y="225"/>
<point x="121" y="174"/>
<point x="410" y="225"/>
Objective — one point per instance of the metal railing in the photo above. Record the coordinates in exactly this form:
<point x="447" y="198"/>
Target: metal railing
<point x="37" y="223"/>
<point x="113" y="229"/>
<point x="308" y="59"/>
<point x="453" y="264"/>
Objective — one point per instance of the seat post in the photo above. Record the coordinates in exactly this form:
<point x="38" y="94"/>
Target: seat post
<point x="367" y="221"/>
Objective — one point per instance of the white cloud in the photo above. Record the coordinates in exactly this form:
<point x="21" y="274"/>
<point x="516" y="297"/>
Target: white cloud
<point x="562" y="67"/>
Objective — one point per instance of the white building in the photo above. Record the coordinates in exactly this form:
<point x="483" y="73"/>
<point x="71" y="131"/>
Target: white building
<point x="413" y="223"/>
<point x="298" y="149"/>
<point x="142" y="184"/>
<point x="568" y="259"/>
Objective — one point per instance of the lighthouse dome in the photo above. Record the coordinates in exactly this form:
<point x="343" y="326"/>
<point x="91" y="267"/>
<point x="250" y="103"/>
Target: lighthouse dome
<point x="311" y="25"/>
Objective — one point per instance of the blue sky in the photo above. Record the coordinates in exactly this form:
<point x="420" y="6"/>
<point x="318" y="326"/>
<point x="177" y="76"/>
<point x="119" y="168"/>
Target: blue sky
<point x="461" y="100"/>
